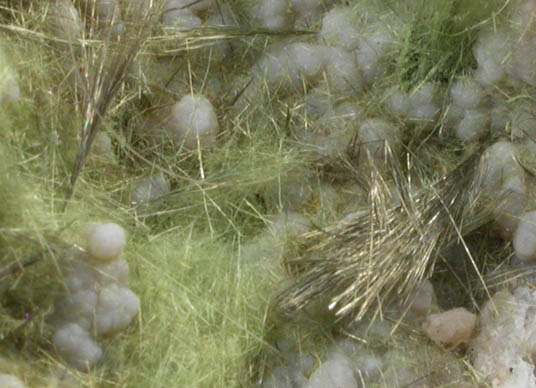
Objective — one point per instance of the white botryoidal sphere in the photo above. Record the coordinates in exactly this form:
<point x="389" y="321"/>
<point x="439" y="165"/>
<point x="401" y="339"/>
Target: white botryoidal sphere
<point x="83" y="279"/>
<point x="336" y="372"/>
<point x="76" y="346"/>
<point x="523" y="57"/>
<point x="105" y="242"/>
<point x="419" y="104"/>
<point x="474" y="125"/>
<point x="525" y="237"/>
<point x="467" y="93"/>
<point x="373" y="47"/>
<point x="368" y="365"/>
<point x="422" y="102"/>
<point x="290" y="65"/>
<point x="193" y="122"/>
<point x="116" y="307"/>
<point x="305" y="59"/>
<point x="274" y="15"/>
<point x="490" y="51"/>
<point x="115" y="271"/>
<point x="424" y="94"/>
<point x="284" y="376"/>
<point x="10" y="381"/>
<point x="79" y="274"/>
<point x="78" y="307"/>
<point x="498" y="163"/>
<point x="339" y="30"/>
<point x="343" y="74"/>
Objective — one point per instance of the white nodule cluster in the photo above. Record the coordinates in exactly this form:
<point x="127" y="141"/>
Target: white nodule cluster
<point x="10" y="381"/>
<point x="116" y="307"/>
<point x="490" y="50"/>
<point x="192" y="122"/>
<point x="97" y="299"/>
<point x="339" y="30"/>
<point x="525" y="237"/>
<point x="289" y="65"/>
<point x="349" y="55"/>
<point x="105" y="241"/>
<point x="342" y="73"/>
<point x="368" y="43"/>
<point x="350" y="362"/>
<point x="503" y="350"/>
<point x="274" y="15"/>
<point x="374" y="45"/>
<point x="347" y="364"/>
<point x="508" y="54"/>
<point x="466" y="93"/>
<point x="76" y="345"/>
<point x="337" y="371"/>
<point x="469" y="112"/>
<point x="419" y="104"/>
<point x="293" y="374"/>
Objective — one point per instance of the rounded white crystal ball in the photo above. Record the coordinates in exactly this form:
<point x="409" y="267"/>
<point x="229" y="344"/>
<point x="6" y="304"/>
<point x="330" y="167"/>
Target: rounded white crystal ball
<point x="525" y="237"/>
<point x="193" y="121"/>
<point x="105" y="241"/>
<point x="76" y="346"/>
